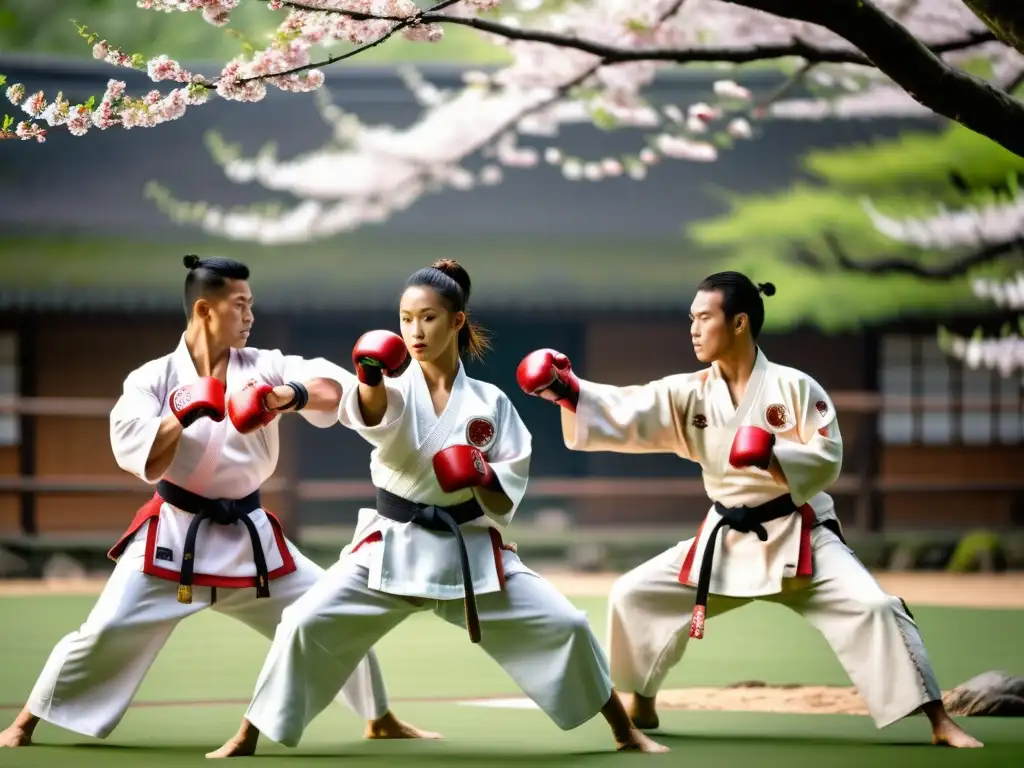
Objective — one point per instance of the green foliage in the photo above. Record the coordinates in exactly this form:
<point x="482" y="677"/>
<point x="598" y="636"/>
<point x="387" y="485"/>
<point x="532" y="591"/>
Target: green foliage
<point x="974" y="552"/>
<point x="906" y="176"/>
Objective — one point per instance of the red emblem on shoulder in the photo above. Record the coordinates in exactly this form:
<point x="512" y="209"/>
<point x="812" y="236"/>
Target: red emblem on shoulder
<point x="480" y="432"/>
<point x="822" y="407"/>
<point x="776" y="416"/>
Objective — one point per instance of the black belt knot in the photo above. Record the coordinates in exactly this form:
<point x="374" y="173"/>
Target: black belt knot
<point x="444" y="520"/>
<point x="221" y="512"/>
<point x="741" y="520"/>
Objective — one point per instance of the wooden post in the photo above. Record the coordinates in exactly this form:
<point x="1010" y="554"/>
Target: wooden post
<point x="869" y="505"/>
<point x="28" y="386"/>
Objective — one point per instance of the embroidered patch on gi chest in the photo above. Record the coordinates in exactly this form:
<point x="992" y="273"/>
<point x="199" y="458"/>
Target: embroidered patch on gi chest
<point x="164" y="553"/>
<point x="480" y="433"/>
<point x="700" y="421"/>
<point x="777" y="416"/>
<point x="822" y="407"/>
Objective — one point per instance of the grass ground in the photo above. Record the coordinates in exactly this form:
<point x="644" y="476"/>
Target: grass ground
<point x="198" y="688"/>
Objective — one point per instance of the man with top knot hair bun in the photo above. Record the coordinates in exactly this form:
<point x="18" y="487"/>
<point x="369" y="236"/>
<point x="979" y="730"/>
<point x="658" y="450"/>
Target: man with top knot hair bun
<point x="767" y="439"/>
<point x="201" y="425"/>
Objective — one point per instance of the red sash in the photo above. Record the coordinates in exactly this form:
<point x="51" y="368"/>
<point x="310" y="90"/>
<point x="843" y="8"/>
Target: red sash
<point x="804" y="565"/>
<point x="150" y="511"/>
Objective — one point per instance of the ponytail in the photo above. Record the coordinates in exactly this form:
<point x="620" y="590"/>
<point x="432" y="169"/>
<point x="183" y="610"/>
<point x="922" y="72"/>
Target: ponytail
<point x="474" y="340"/>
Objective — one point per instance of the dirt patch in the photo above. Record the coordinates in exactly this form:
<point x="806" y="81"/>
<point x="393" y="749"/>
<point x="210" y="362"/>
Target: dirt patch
<point x="979" y="590"/>
<point x="793" y="700"/>
<point x="970" y="590"/>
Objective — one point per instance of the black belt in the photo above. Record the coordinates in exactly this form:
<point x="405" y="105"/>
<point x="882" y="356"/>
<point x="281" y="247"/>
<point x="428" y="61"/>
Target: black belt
<point x="741" y="520"/>
<point x="444" y="520"/>
<point x="222" y="512"/>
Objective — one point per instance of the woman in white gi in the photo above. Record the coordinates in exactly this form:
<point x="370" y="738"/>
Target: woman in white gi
<point x="451" y="461"/>
<point x="768" y="442"/>
<point x="201" y="425"/>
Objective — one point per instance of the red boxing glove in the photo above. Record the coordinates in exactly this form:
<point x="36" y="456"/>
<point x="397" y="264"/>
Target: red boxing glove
<point x="248" y="410"/>
<point x="462" y="466"/>
<point x="377" y="354"/>
<point x="548" y="371"/>
<point x="752" y="447"/>
<point x="204" y="399"/>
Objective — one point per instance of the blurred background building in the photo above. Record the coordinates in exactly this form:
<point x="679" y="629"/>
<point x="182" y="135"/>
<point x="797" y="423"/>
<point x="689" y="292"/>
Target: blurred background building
<point x="604" y="272"/>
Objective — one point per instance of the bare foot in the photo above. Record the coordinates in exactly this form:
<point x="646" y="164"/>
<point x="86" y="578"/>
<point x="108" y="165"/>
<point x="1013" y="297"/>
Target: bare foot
<point x="643" y="713"/>
<point x="390" y="727"/>
<point x="945" y="732"/>
<point x="949" y="734"/>
<point x="19" y="733"/>
<point x="242" y="744"/>
<point x="638" y="741"/>
<point x="15" y="736"/>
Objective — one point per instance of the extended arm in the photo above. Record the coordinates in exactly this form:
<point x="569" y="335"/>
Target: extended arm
<point x="324" y="396"/>
<point x="647" y="418"/>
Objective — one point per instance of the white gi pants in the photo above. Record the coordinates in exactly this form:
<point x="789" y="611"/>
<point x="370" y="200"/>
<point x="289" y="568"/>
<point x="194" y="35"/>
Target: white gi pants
<point x="538" y="637"/>
<point x="871" y="632"/>
<point x="93" y="673"/>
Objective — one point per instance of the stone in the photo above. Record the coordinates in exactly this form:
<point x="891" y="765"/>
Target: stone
<point x="990" y="694"/>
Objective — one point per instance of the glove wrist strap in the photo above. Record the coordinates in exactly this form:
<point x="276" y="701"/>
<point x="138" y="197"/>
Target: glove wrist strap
<point x="300" y="400"/>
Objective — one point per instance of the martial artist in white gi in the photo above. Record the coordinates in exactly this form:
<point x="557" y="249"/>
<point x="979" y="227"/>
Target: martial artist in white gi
<point x="768" y="443"/>
<point x="203" y="540"/>
<point x="451" y="461"/>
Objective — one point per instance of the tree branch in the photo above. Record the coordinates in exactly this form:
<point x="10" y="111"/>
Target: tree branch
<point x="617" y="55"/>
<point x="931" y="82"/>
<point x="1004" y="17"/>
<point x="900" y="266"/>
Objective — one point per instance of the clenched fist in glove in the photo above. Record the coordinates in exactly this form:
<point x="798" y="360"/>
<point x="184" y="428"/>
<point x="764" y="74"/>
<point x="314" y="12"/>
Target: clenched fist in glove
<point x="462" y="466"/>
<point x="548" y="374"/>
<point x="752" y="447"/>
<point x="203" y="399"/>
<point x="248" y="408"/>
<point x="377" y="354"/>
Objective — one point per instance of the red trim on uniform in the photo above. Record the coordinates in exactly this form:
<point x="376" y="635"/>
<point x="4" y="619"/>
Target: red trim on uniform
<point x="151" y="511"/>
<point x="805" y="563"/>
<point x="684" y="572"/>
<point x="499" y="562"/>
<point x="373" y="537"/>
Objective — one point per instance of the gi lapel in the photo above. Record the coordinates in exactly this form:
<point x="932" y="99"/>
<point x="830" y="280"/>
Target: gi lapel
<point x="437" y="436"/>
<point x="215" y="432"/>
<point x="751" y="396"/>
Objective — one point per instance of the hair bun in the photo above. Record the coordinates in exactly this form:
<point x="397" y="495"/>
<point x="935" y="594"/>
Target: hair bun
<point x="191" y="261"/>
<point x="768" y="289"/>
<point x="456" y="272"/>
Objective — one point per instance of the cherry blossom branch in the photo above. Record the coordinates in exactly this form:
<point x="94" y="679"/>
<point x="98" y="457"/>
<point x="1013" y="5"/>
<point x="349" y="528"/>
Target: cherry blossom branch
<point x="618" y="55"/>
<point x="400" y="24"/>
<point x="949" y="92"/>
